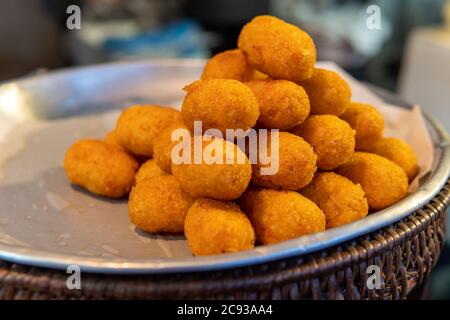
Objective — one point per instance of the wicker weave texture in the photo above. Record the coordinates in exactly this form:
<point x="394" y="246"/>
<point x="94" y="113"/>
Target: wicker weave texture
<point x="405" y="253"/>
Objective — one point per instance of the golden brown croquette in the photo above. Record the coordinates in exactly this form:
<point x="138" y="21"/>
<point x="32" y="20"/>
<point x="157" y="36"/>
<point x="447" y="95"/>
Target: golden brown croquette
<point x="138" y="126"/>
<point x="111" y="138"/>
<point x="162" y="149"/>
<point x="149" y="170"/>
<point x="100" y="167"/>
<point x="282" y="104"/>
<point x="397" y="151"/>
<point x="215" y="227"/>
<point x="159" y="205"/>
<point x="332" y="139"/>
<point x="328" y="92"/>
<point x="367" y="122"/>
<point x="230" y="64"/>
<point x="224" y="178"/>
<point x="341" y="200"/>
<point x="220" y="104"/>
<point x="296" y="164"/>
<point x="278" y="215"/>
<point x="278" y="49"/>
<point x="383" y="182"/>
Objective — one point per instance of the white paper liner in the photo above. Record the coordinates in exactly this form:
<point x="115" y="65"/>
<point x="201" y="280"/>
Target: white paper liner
<point x="406" y="124"/>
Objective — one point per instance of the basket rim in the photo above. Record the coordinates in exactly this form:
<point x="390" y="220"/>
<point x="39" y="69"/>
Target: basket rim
<point x="328" y="265"/>
<point x="288" y="249"/>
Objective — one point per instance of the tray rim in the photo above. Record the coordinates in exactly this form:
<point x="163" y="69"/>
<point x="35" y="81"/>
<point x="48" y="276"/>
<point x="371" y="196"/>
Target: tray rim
<point x="263" y="254"/>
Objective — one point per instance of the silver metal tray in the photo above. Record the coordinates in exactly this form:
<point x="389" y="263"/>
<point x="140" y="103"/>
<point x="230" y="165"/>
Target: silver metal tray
<point x="46" y="222"/>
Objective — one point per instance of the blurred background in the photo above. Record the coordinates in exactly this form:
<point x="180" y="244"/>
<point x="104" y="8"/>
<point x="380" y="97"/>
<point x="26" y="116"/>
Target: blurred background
<point x="407" y="53"/>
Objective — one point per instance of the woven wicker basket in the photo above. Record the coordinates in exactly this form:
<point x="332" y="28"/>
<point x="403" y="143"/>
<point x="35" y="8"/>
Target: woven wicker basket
<point x="406" y="252"/>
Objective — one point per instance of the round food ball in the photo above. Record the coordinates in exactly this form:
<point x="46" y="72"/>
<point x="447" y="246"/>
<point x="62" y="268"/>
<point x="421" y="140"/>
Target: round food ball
<point x="162" y="149"/>
<point x="223" y="171"/>
<point x="278" y="49"/>
<point x="293" y="166"/>
<point x="383" y="182"/>
<point x="159" y="205"/>
<point x="101" y="168"/>
<point x="282" y="104"/>
<point x="138" y="126"/>
<point x="397" y="151"/>
<point x="281" y="215"/>
<point x="341" y="200"/>
<point x="149" y="170"/>
<point x="367" y="122"/>
<point x="230" y="64"/>
<point x="216" y="227"/>
<point x="328" y="92"/>
<point x="111" y="138"/>
<point x="332" y="139"/>
<point x="220" y="104"/>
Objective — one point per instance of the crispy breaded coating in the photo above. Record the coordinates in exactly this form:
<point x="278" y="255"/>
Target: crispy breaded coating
<point x="383" y="182"/>
<point x="230" y="64"/>
<point x="328" y="92"/>
<point x="220" y="104"/>
<point x="278" y="49"/>
<point x="149" y="170"/>
<point x="281" y="215"/>
<point x="397" y="151"/>
<point x="216" y="227"/>
<point x="159" y="205"/>
<point x="332" y="139"/>
<point x="341" y="200"/>
<point x="111" y="138"/>
<point x="162" y="149"/>
<point x="282" y="104"/>
<point x="367" y="122"/>
<point x="296" y="164"/>
<point x="223" y="172"/>
<point x="138" y="126"/>
<point x="101" y="168"/>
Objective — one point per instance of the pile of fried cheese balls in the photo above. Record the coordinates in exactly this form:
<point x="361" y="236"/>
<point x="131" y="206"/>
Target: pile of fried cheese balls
<point x="335" y="166"/>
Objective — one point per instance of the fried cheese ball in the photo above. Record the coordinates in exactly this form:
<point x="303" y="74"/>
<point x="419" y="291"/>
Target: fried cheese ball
<point x="328" y="92"/>
<point x="282" y="104"/>
<point x="367" y="122"/>
<point x="220" y="104"/>
<point x="159" y="205"/>
<point x="215" y="227"/>
<point x="278" y="49"/>
<point x="341" y="200"/>
<point x="397" y="151"/>
<point x="223" y="171"/>
<point x="332" y="139"/>
<point x="101" y="168"/>
<point x="383" y="182"/>
<point x="293" y="166"/>
<point x="162" y="149"/>
<point x="111" y="138"/>
<point x="149" y="170"/>
<point x="230" y="64"/>
<point x="278" y="215"/>
<point x="138" y="126"/>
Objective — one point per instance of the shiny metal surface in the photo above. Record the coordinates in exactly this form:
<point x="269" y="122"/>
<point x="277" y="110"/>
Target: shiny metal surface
<point x="54" y="97"/>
